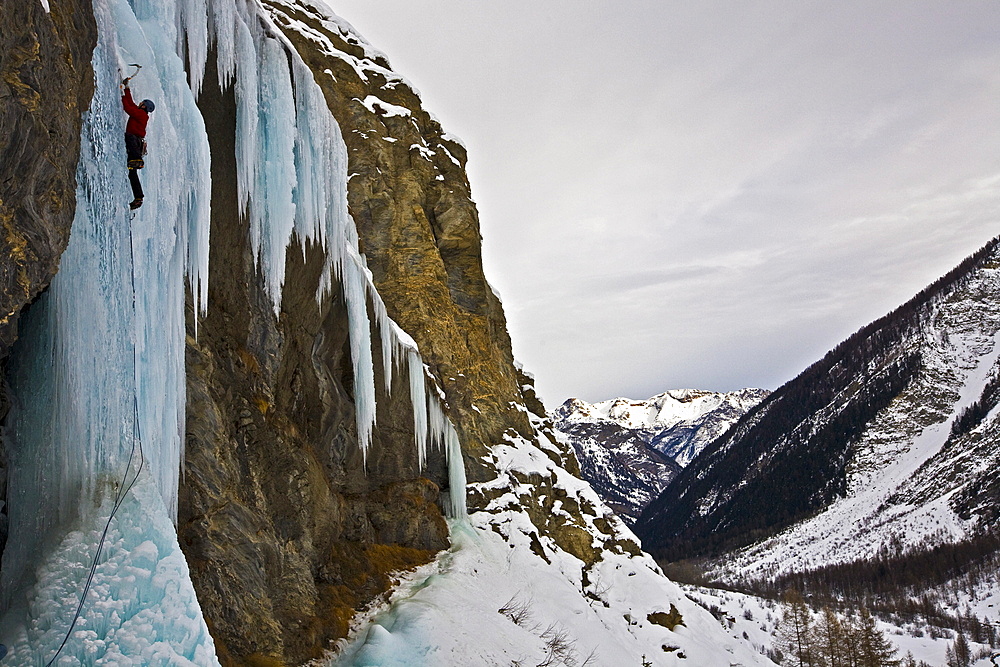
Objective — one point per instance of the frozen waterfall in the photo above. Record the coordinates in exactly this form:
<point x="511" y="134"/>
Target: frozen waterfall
<point x="101" y="362"/>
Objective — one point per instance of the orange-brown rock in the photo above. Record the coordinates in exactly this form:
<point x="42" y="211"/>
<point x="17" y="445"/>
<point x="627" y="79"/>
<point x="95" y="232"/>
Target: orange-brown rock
<point x="46" y="82"/>
<point x="419" y="228"/>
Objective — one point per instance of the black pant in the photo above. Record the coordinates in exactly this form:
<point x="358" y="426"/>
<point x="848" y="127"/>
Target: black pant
<point x="134" y="148"/>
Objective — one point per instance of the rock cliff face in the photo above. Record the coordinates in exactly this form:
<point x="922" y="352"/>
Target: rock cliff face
<point x="419" y="228"/>
<point x="46" y="83"/>
<point x="288" y="531"/>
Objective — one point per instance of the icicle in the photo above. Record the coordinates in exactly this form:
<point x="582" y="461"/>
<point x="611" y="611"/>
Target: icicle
<point x="443" y="434"/>
<point x="273" y="206"/>
<point x="355" y="290"/>
<point x="418" y="399"/>
<point x="457" y="508"/>
<point x="436" y="422"/>
<point x="247" y="119"/>
<point x="193" y="28"/>
<point x="223" y="31"/>
<point x="392" y="347"/>
<point x="320" y="194"/>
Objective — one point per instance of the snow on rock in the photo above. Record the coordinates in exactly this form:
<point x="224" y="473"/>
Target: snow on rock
<point x="383" y="108"/>
<point x="544" y="570"/>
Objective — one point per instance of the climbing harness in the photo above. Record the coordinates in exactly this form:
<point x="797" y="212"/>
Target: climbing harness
<point x="125" y="485"/>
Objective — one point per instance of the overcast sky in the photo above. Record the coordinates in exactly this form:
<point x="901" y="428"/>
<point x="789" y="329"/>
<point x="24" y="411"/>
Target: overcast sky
<point x="707" y="194"/>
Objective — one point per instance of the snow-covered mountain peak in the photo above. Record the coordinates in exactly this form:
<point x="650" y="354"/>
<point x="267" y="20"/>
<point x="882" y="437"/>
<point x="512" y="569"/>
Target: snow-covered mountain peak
<point x="658" y="412"/>
<point x="630" y="449"/>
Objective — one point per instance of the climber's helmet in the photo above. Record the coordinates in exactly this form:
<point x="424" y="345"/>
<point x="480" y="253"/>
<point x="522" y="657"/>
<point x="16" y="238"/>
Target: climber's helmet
<point x="147" y="105"/>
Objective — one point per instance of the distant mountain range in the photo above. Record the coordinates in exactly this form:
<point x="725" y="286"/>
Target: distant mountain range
<point x="629" y="450"/>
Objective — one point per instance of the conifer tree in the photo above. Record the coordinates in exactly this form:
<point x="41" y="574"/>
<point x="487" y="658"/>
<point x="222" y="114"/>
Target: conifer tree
<point x="959" y="654"/>
<point x="830" y="641"/>
<point x="794" y="635"/>
<point x="873" y="649"/>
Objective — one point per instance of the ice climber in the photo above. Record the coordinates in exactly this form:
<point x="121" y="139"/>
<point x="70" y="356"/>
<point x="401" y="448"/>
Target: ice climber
<point x="135" y="140"/>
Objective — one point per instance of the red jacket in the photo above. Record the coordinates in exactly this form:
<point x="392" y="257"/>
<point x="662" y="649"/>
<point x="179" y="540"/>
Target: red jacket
<point x="137" y="118"/>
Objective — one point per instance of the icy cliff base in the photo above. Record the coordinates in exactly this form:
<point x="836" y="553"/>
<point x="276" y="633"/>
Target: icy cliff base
<point x="141" y="609"/>
<point x="508" y="593"/>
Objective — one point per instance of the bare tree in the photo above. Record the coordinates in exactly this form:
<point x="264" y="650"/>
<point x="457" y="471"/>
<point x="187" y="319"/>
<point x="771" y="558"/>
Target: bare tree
<point x="830" y="641"/>
<point x="794" y="634"/>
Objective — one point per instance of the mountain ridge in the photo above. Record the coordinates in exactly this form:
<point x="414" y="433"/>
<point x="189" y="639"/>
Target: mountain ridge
<point x="824" y="434"/>
<point x="630" y="449"/>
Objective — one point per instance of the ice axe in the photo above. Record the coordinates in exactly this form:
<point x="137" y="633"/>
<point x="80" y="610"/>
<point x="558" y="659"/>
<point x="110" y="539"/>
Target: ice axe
<point x="137" y="67"/>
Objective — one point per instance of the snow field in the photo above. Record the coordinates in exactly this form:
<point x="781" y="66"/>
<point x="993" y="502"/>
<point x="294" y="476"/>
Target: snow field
<point x="506" y="593"/>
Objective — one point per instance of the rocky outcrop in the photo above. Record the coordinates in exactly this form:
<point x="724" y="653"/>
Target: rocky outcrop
<point x="46" y="83"/>
<point x="419" y="228"/>
<point x="287" y="529"/>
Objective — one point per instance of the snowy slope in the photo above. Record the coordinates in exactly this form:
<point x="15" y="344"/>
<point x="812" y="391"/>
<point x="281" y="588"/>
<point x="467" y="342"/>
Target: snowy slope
<point x="629" y="450"/>
<point x="910" y="484"/>
<point x="508" y="592"/>
<point x="857" y="455"/>
<point x="908" y="476"/>
<point x="758" y="619"/>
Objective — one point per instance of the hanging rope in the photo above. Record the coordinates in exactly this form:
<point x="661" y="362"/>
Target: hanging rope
<point x="125" y="485"/>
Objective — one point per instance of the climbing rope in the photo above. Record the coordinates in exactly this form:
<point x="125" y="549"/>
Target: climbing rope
<point x="123" y="488"/>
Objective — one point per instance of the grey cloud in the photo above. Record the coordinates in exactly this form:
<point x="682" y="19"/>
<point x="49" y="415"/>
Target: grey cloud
<point x="708" y="194"/>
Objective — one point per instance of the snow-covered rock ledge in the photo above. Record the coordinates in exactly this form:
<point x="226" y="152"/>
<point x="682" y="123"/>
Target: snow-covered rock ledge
<point x="546" y="574"/>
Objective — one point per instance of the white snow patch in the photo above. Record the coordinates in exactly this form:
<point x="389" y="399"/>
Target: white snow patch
<point x="383" y="108"/>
